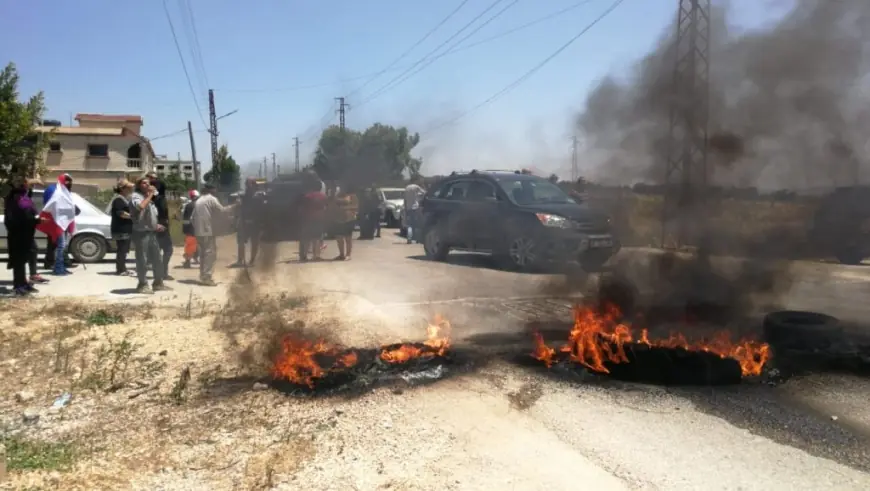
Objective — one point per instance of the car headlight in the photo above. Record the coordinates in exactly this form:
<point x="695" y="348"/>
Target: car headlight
<point x="555" y="221"/>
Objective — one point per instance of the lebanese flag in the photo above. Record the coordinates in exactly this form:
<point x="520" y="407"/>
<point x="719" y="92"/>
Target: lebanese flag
<point x="59" y="214"/>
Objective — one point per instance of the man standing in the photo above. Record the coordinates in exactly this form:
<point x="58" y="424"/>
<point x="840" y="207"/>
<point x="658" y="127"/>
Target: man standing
<point x="190" y="249"/>
<point x="51" y="250"/>
<point x="206" y="209"/>
<point x="164" y="239"/>
<point x="145" y="229"/>
<point x="246" y="224"/>
<point x="413" y="195"/>
<point x="313" y="220"/>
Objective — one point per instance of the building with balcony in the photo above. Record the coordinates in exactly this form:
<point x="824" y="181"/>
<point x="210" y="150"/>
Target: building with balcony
<point x="186" y="169"/>
<point x="100" y="151"/>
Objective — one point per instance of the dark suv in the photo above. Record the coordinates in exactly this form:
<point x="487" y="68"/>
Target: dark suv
<point x="841" y="226"/>
<point x="523" y="220"/>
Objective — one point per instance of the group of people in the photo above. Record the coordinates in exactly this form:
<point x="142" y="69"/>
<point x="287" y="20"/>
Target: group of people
<point x="140" y="217"/>
<point x="22" y="220"/>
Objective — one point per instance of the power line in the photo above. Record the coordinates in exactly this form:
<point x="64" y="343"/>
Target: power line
<point x="494" y="37"/>
<point x="411" y="72"/>
<point x="408" y="51"/>
<point x="531" y="72"/>
<point x="196" y="47"/>
<point x="183" y="64"/>
<point x="429" y="54"/>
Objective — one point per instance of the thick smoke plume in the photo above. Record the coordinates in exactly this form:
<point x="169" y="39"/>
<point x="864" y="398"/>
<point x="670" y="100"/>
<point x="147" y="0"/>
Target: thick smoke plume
<point x="788" y="110"/>
<point x="789" y="103"/>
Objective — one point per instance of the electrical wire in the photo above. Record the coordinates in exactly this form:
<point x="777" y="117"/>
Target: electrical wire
<point x="429" y="54"/>
<point x="408" y="51"/>
<point x="407" y="75"/>
<point x="458" y="49"/>
<point x="531" y="72"/>
<point x="183" y="64"/>
<point x="198" y="47"/>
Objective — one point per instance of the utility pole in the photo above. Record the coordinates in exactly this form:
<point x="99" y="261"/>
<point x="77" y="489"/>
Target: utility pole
<point x="196" y="175"/>
<point x="342" y="108"/>
<point x="574" y="170"/>
<point x="265" y="168"/>
<point x="274" y="167"/>
<point x="296" y="150"/>
<point x="212" y="117"/>
<point x="686" y="165"/>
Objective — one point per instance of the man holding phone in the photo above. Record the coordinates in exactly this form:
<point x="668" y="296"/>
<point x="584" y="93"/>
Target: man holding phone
<point x="145" y="230"/>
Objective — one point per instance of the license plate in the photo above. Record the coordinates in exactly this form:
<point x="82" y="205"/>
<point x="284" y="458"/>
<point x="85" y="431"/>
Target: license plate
<point x="600" y="243"/>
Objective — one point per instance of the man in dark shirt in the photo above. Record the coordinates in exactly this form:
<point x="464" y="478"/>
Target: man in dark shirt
<point x="164" y="239"/>
<point x="247" y="221"/>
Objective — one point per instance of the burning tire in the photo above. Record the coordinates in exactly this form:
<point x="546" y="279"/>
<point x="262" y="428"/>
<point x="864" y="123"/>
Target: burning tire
<point x="794" y="329"/>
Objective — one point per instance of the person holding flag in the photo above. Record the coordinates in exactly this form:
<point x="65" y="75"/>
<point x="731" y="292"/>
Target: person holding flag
<point x="57" y="220"/>
<point x="51" y="250"/>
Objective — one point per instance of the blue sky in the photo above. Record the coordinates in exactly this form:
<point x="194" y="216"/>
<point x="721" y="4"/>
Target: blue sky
<point x="118" y="57"/>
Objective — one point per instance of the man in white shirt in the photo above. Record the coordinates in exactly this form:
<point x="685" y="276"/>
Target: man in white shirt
<point x="205" y="210"/>
<point x="413" y="196"/>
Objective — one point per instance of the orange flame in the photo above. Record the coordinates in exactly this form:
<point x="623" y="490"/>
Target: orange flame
<point x="303" y="362"/>
<point x="437" y="342"/>
<point x="598" y="337"/>
<point x="299" y="360"/>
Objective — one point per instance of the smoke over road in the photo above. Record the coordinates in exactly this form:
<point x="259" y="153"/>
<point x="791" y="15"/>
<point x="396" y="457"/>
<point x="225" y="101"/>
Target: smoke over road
<point x="789" y="104"/>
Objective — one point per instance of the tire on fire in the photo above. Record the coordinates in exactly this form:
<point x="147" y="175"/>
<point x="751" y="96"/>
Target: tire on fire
<point x="801" y="330"/>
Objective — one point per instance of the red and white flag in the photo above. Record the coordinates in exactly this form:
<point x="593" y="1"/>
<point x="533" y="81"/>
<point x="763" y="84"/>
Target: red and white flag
<point x="59" y="214"/>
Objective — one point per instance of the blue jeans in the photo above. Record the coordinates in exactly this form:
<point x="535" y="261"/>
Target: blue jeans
<point x="60" y="255"/>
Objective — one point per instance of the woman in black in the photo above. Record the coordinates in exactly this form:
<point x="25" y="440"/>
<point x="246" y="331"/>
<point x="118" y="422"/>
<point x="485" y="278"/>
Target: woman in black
<point x="122" y="225"/>
<point x="20" y="219"/>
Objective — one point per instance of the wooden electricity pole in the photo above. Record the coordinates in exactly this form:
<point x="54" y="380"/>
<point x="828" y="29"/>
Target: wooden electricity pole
<point x="197" y="179"/>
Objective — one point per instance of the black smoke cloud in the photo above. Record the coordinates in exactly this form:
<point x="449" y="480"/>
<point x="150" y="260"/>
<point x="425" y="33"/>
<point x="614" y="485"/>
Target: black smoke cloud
<point x="789" y="103"/>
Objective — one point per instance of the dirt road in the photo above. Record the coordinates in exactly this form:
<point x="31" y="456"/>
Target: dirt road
<point x="499" y="426"/>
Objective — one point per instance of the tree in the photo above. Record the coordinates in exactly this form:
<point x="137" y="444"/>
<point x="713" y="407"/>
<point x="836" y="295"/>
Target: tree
<point x="229" y="171"/>
<point x="20" y="146"/>
<point x="176" y="183"/>
<point x="380" y="153"/>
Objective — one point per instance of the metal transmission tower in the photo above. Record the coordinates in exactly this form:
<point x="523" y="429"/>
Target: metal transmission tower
<point x="212" y="117"/>
<point x="686" y="166"/>
<point x="342" y="109"/>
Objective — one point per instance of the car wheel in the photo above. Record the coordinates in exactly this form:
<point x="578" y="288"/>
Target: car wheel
<point x="392" y="222"/>
<point x="88" y="248"/>
<point x="521" y="253"/>
<point x="850" y="257"/>
<point x="433" y="245"/>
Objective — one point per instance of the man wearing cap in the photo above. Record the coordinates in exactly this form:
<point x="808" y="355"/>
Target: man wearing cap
<point x="190" y="250"/>
<point x="51" y="252"/>
<point x="205" y="210"/>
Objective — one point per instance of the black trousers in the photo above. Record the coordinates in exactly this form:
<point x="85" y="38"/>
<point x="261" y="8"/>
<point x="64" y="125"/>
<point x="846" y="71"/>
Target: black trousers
<point x="32" y="258"/>
<point x="164" y="240"/>
<point x="19" y="255"/>
<point x="121" y="255"/>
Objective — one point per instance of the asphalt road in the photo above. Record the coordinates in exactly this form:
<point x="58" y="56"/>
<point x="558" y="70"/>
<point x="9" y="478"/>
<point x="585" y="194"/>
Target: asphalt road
<point x="808" y="433"/>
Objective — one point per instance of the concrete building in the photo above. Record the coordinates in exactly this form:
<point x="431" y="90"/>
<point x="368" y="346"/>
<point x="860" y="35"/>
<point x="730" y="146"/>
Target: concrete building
<point x="101" y="150"/>
<point x="184" y="168"/>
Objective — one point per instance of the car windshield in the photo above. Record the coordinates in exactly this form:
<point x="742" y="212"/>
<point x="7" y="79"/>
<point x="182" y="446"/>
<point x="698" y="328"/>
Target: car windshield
<point x="533" y="191"/>
<point x="393" y="194"/>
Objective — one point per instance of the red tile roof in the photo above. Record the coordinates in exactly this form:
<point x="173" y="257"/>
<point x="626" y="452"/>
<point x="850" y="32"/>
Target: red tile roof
<point x="131" y="118"/>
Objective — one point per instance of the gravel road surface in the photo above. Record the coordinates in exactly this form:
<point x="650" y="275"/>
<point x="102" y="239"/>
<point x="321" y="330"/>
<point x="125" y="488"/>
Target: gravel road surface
<point x="506" y="426"/>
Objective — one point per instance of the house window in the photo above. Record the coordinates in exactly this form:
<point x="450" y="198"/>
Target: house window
<point x="188" y="167"/>
<point x="159" y="167"/>
<point x="54" y="147"/>
<point x="98" y="150"/>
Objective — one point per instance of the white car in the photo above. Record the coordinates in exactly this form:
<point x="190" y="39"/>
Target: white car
<point x="392" y="201"/>
<point x="91" y="240"/>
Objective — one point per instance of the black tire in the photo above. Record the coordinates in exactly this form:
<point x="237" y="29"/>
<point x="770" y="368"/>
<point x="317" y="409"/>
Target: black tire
<point x="433" y="244"/>
<point x="392" y="221"/>
<point x="850" y="257"/>
<point x="88" y="248"/>
<point x="795" y="329"/>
